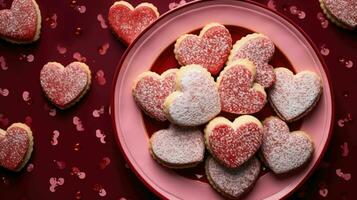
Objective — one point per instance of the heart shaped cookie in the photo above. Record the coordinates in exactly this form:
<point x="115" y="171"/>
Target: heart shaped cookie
<point x="237" y="90"/>
<point x="64" y="86"/>
<point x="284" y="151"/>
<point x="341" y="12"/>
<point x="21" y="23"/>
<point x="16" y="144"/>
<point x="293" y="96"/>
<point x="178" y="147"/>
<point x="127" y="23"/>
<point x="196" y="100"/>
<point x="259" y="49"/>
<point x="232" y="183"/>
<point x="210" y="49"/>
<point x="232" y="144"/>
<point x="150" y="91"/>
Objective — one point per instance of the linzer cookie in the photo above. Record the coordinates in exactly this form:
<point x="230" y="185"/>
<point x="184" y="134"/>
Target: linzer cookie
<point x="150" y="91"/>
<point x="16" y="144"/>
<point x="64" y="86"/>
<point x="259" y="49"/>
<point x="284" y="151"/>
<point x="237" y="90"/>
<point x="341" y="12"/>
<point x="178" y="147"/>
<point x="293" y="96"/>
<point x="210" y="49"/>
<point x="232" y="183"/>
<point x="128" y="22"/>
<point x="196" y="100"/>
<point x="21" y="23"/>
<point x="232" y="144"/>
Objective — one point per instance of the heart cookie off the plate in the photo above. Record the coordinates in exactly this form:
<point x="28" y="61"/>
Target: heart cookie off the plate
<point x="341" y="12"/>
<point x="196" y="100"/>
<point x="21" y="23"/>
<point x="16" y="144"/>
<point x="259" y="49"/>
<point x="150" y="91"/>
<point x="293" y="96"/>
<point x="64" y="86"/>
<point x="210" y="49"/>
<point x="232" y="183"/>
<point x="284" y="151"/>
<point x="178" y="147"/>
<point x="238" y="92"/>
<point x="232" y="144"/>
<point x="128" y="22"/>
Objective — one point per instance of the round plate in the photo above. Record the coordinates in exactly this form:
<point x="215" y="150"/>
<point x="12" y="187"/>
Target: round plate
<point x="140" y="56"/>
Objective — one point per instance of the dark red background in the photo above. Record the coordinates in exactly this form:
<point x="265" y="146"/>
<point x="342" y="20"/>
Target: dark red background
<point x="116" y="179"/>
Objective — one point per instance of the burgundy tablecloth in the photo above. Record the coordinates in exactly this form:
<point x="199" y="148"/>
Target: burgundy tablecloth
<point x="75" y="153"/>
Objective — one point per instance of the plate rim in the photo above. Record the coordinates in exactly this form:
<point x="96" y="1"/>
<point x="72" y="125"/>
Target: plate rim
<point x="305" y="35"/>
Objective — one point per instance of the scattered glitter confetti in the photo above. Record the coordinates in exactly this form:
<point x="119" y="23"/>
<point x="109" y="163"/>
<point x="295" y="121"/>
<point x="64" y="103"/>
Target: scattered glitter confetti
<point x="97" y="112"/>
<point x="5" y="181"/>
<point x="345" y="176"/>
<point x="30" y="167"/>
<point x="77" y="147"/>
<point x="55" y="182"/>
<point x="78" y="195"/>
<point x="52" y="20"/>
<point x="102" y="50"/>
<point x="295" y="11"/>
<point x="99" y="76"/>
<point x="73" y="3"/>
<point x="55" y="136"/>
<point x="122" y="198"/>
<point x="101" y="191"/>
<point x="173" y="5"/>
<point x="341" y="122"/>
<point x="79" y="57"/>
<point x="28" y="121"/>
<point x="346" y="94"/>
<point x="60" y="164"/>
<point x="51" y="110"/>
<point x="99" y="134"/>
<point x="81" y="9"/>
<point x="104" y="162"/>
<point x="321" y="17"/>
<point x="198" y="176"/>
<point x="4" y="92"/>
<point x="78" y="123"/>
<point x="345" y="150"/>
<point x="126" y="166"/>
<point x="77" y="172"/>
<point x="30" y="58"/>
<point x="3" y="63"/>
<point x="102" y="22"/>
<point x="26" y="97"/>
<point x="61" y="49"/>
<point x="323" y="192"/>
<point x="4" y="120"/>
<point x="78" y="31"/>
<point x="348" y="63"/>
<point x="272" y="5"/>
<point x="324" y="50"/>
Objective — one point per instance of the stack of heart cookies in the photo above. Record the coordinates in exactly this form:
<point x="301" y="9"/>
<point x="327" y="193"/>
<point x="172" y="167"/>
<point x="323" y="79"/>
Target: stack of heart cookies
<point x="217" y="78"/>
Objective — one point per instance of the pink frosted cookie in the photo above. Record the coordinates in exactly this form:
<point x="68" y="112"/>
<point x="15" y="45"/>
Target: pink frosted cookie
<point x="16" y="144"/>
<point x="237" y="90"/>
<point x="232" y="183"/>
<point x="210" y="49"/>
<point x="232" y="144"/>
<point x="196" y="99"/>
<point x="150" y="91"/>
<point x="284" y="151"/>
<point x="259" y="49"/>
<point x="64" y="86"/>
<point x="127" y="23"/>
<point x="21" y="23"/>
<point x="178" y="147"/>
<point x="341" y="12"/>
<point x="293" y="96"/>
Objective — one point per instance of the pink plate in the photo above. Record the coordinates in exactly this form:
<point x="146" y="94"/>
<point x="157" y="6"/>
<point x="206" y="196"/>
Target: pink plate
<point x="140" y="56"/>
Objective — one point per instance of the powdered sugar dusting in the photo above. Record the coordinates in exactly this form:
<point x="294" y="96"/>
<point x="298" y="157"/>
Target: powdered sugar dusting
<point x="284" y="151"/>
<point x="150" y="92"/>
<point x="20" y="22"/>
<point x="233" y="182"/>
<point x="178" y="146"/>
<point x="236" y="92"/>
<point x="198" y="101"/>
<point x="210" y="49"/>
<point x="292" y="96"/>
<point x="343" y="10"/>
